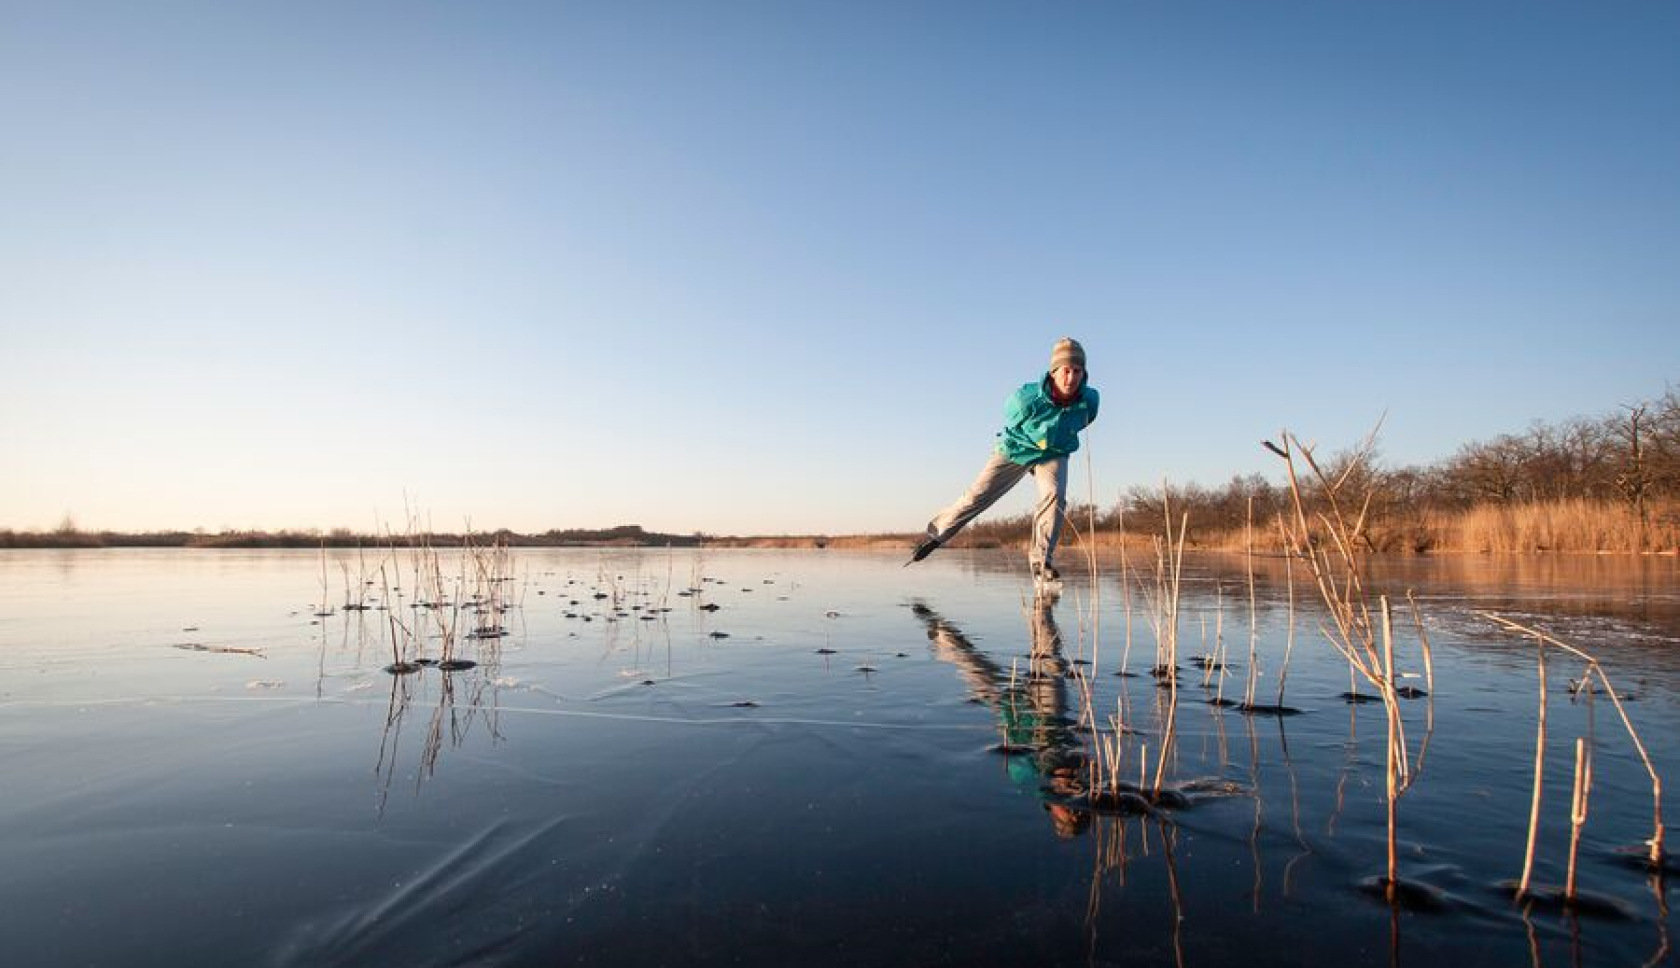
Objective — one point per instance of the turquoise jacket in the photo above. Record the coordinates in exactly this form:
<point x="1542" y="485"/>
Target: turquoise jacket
<point x="1035" y="428"/>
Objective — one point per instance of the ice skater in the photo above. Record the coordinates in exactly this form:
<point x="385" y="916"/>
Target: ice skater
<point x="1041" y="426"/>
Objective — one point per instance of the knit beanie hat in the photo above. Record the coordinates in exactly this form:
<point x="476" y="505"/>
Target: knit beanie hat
<point x="1068" y="352"/>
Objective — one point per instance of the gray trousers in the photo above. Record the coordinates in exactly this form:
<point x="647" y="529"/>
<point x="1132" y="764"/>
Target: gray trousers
<point x="996" y="478"/>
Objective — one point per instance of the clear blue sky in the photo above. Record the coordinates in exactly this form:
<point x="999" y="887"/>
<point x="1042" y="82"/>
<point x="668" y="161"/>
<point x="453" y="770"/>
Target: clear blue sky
<point x="763" y="267"/>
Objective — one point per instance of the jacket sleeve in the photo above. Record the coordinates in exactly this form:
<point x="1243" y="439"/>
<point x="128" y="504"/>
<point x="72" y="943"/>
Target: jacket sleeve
<point x="1094" y="399"/>
<point x="1014" y="409"/>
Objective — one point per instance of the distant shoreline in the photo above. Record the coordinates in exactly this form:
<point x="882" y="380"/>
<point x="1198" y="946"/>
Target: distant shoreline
<point x="632" y="536"/>
<point x="624" y="536"/>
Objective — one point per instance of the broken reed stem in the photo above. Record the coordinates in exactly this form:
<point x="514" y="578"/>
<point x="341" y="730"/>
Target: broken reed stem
<point x="1655" y="842"/>
<point x="1578" y="808"/>
<point x="1539" y="771"/>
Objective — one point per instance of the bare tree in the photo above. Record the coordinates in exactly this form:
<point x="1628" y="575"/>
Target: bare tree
<point x="1634" y="481"/>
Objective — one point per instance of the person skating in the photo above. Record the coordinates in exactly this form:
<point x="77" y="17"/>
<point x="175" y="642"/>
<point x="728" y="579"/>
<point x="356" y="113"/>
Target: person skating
<point x="1041" y="426"/>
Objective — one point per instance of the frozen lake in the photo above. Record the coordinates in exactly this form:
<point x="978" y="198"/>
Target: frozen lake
<point x="754" y="757"/>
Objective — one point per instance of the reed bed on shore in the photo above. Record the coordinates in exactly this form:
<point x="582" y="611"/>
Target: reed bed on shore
<point x="1563" y="525"/>
<point x="1575" y="524"/>
<point x="1569" y="525"/>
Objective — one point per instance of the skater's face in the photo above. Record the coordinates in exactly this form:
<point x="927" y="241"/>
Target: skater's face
<point x="1066" y="378"/>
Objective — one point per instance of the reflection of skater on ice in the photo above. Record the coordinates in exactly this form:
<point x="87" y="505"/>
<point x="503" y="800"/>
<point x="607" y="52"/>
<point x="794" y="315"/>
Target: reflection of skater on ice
<point x="1041" y="426"/>
<point x="1045" y="757"/>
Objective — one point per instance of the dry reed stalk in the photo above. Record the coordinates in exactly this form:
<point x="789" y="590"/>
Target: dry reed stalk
<point x="1289" y="642"/>
<point x="1119" y="734"/>
<point x="1204" y="655"/>
<point x="664" y="593"/>
<point x="1539" y="771"/>
<point x="1429" y="673"/>
<point x="1087" y="701"/>
<point x="391" y="622"/>
<point x="1396" y="760"/>
<point x="1169" y="571"/>
<point x="1423" y="637"/>
<point x="1125" y="592"/>
<point x="322" y="610"/>
<point x="361" y="574"/>
<point x="1344" y="599"/>
<point x="1655" y="843"/>
<point x="1154" y="600"/>
<point x="1216" y="661"/>
<point x="1091" y="557"/>
<point x="1156" y="603"/>
<point x="455" y="599"/>
<point x="1111" y="747"/>
<point x="1390" y="677"/>
<point x="1578" y="808"/>
<point x="1170" y="620"/>
<point x="1221" y="652"/>
<point x="1253" y="609"/>
<point x="1342" y="588"/>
